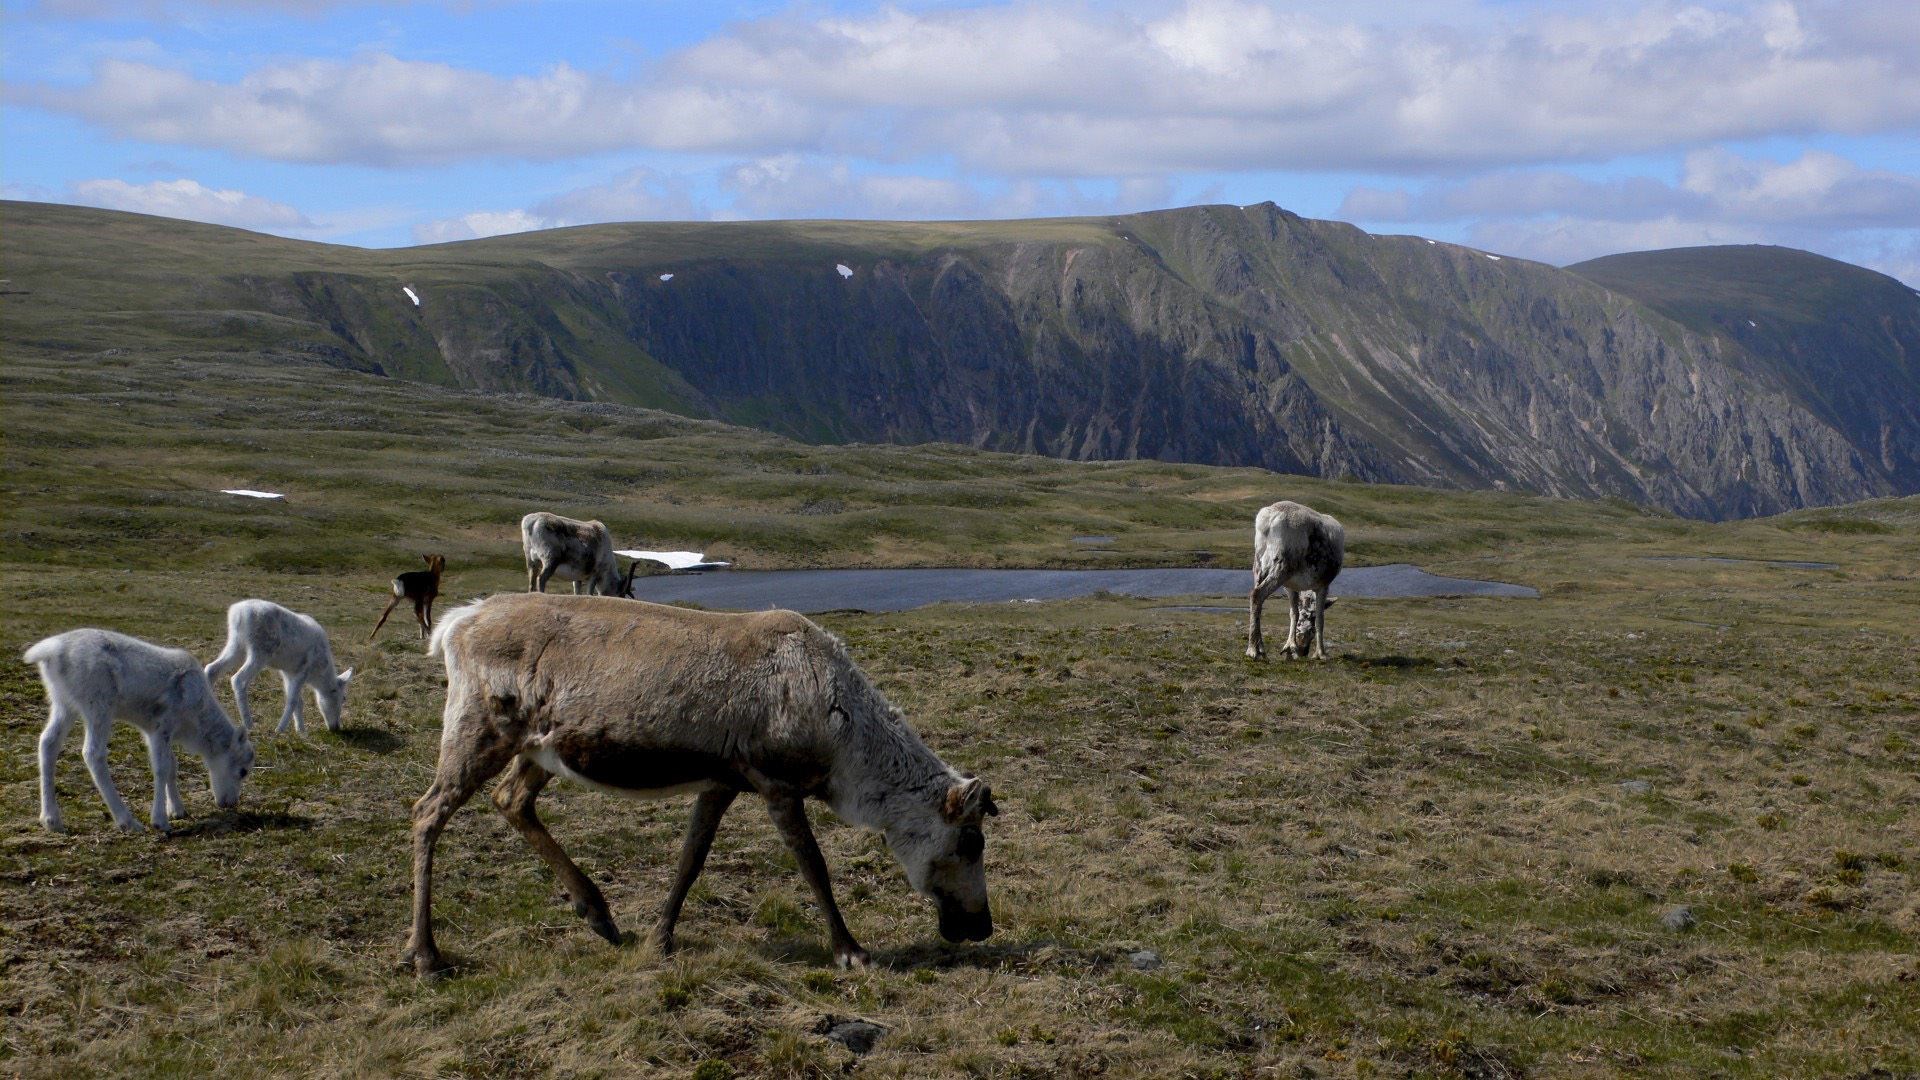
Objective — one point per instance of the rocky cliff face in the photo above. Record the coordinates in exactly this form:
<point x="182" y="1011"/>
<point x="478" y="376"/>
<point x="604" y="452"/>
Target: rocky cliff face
<point x="1222" y="335"/>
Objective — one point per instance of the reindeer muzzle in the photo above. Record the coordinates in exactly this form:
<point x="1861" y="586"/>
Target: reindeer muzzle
<point x="958" y="924"/>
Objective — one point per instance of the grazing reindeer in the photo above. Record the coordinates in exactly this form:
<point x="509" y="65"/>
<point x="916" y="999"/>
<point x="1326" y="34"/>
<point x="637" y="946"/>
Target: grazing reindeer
<point x="419" y="586"/>
<point x="645" y="700"/>
<point x="1300" y="550"/>
<point x="576" y="551"/>
<point x="267" y="635"/>
<point x="99" y="677"/>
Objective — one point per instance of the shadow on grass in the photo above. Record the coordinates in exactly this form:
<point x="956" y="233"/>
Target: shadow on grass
<point x="1038" y="955"/>
<point x="1393" y="662"/>
<point x="372" y="740"/>
<point x="242" y="821"/>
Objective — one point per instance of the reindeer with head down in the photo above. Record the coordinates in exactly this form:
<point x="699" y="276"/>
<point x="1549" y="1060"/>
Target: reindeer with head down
<point x="646" y="701"/>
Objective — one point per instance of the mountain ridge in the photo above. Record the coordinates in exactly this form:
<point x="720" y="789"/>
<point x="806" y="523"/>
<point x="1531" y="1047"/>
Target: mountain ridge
<point x="1218" y="335"/>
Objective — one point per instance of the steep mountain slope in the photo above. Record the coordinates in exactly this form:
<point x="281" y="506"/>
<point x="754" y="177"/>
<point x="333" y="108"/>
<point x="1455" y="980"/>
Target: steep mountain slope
<point x="1223" y="335"/>
<point x="1840" y="339"/>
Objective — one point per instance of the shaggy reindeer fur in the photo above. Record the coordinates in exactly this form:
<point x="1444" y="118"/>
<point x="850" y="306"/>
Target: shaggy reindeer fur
<point x="1300" y="550"/>
<point x="576" y="551"/>
<point x="644" y="700"/>
<point x="267" y="635"/>
<point x="100" y="676"/>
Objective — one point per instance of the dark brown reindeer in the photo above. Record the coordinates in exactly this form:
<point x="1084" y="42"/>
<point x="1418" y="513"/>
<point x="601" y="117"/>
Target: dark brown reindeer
<point x="644" y="700"/>
<point x="419" y="586"/>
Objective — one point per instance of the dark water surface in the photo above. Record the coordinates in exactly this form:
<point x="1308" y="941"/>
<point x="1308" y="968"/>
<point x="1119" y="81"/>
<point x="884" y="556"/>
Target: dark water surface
<point x="900" y="590"/>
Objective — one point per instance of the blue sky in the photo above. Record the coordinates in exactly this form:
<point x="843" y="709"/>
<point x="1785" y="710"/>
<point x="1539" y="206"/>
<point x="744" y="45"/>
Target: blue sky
<point x="1553" y="131"/>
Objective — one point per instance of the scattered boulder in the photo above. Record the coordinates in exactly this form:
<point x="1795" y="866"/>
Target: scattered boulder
<point x="1144" y="960"/>
<point x="1635" y="787"/>
<point x="1680" y="919"/>
<point x="854" y="1034"/>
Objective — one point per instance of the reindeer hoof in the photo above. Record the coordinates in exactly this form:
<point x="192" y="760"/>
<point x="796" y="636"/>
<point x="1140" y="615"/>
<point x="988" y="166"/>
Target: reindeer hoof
<point x="53" y="824"/>
<point x="852" y="959"/>
<point x="428" y="964"/>
<point x="662" y="942"/>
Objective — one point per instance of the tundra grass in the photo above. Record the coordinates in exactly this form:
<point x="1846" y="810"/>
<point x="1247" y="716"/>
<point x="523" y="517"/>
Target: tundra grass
<point x="1448" y="850"/>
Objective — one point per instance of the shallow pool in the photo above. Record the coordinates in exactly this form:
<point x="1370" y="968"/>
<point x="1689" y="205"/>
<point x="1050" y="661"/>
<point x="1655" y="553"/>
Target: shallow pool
<point x="901" y="590"/>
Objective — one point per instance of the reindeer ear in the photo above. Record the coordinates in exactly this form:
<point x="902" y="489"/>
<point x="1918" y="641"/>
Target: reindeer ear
<point x="968" y="800"/>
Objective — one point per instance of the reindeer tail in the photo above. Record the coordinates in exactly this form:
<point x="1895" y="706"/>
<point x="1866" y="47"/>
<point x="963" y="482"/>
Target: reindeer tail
<point x="444" y="627"/>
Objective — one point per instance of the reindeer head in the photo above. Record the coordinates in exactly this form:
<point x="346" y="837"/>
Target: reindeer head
<point x="229" y="768"/>
<point x="435" y="563"/>
<point x="942" y="853"/>
<point x="332" y="695"/>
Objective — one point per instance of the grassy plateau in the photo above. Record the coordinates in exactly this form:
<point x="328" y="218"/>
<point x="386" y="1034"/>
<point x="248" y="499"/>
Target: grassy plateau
<point x="1453" y="849"/>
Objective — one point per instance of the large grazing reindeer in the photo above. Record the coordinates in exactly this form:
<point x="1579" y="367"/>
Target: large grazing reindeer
<point x="265" y="635"/>
<point x="644" y="700"/>
<point x="1300" y="550"/>
<point x="576" y="551"/>
<point x="98" y="676"/>
<point x="419" y="586"/>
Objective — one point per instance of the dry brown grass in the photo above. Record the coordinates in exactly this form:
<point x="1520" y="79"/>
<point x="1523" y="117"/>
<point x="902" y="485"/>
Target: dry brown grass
<point x="1414" y="859"/>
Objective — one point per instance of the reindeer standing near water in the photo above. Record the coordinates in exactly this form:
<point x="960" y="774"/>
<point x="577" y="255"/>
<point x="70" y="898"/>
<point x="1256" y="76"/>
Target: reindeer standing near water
<point x="1301" y="550"/>
<point x="419" y="586"/>
<point x="645" y="700"/>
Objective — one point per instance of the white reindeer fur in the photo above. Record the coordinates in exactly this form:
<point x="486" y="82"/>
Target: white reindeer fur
<point x="576" y="551"/>
<point x="266" y="635"/>
<point x="99" y="676"/>
<point x="1301" y="550"/>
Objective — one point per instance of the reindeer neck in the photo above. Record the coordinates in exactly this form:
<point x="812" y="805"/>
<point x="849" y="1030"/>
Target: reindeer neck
<point x="210" y="732"/>
<point x="883" y="768"/>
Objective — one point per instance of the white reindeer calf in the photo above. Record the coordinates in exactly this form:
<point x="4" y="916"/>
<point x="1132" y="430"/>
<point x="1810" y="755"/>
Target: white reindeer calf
<point x="267" y="635"/>
<point x="100" y="676"/>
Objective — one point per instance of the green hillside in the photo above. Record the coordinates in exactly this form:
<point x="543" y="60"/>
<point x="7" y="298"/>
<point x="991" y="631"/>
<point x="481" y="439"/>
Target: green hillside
<point x="1216" y="335"/>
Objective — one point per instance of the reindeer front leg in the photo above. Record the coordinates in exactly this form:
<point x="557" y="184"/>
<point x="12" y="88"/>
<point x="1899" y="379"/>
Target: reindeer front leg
<point x="789" y="815"/>
<point x="1293" y="649"/>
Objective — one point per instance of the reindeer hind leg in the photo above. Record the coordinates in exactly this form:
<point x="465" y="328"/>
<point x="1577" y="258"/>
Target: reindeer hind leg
<point x="514" y="798"/>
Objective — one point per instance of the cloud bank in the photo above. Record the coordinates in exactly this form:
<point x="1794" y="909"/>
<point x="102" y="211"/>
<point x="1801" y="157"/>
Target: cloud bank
<point x="1055" y="88"/>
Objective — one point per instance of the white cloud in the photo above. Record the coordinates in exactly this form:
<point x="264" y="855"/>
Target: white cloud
<point x="1817" y="189"/>
<point x="1062" y="88"/>
<point x="1819" y="201"/>
<point x="1564" y="240"/>
<point x="793" y="186"/>
<point x="477" y="224"/>
<point x="191" y="200"/>
<point x="379" y="109"/>
<point x="639" y="194"/>
<point x="1055" y="88"/>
